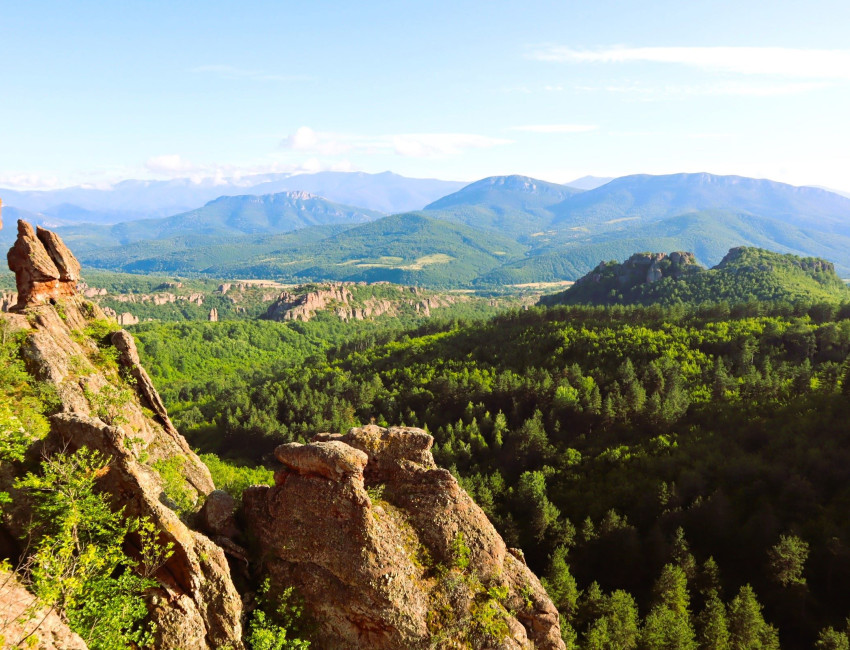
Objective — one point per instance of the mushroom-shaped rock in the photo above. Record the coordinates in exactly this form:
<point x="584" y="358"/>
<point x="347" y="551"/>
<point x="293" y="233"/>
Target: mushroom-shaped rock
<point x="332" y="460"/>
<point x="392" y="449"/>
<point x="356" y="557"/>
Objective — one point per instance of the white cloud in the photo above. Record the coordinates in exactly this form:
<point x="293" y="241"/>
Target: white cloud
<point x="731" y="88"/>
<point x="168" y="164"/>
<point x="779" y="61"/>
<point x="27" y="181"/>
<point x="416" y="145"/>
<point x="556" y="128"/>
<point x="430" y="145"/>
<point x="173" y="166"/>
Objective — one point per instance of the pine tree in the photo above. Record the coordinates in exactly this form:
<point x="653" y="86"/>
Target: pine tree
<point x="668" y="624"/>
<point x="713" y="626"/>
<point x="747" y="627"/>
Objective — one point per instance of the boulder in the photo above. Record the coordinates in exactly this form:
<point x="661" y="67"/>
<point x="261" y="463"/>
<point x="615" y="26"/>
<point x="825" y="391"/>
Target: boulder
<point x="216" y="517"/>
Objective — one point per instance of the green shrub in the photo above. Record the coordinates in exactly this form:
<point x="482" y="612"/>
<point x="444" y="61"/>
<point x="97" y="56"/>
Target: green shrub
<point x="174" y="484"/>
<point x="78" y="565"/>
<point x="267" y="628"/>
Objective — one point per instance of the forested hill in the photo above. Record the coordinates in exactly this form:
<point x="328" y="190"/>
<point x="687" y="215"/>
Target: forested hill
<point x="744" y="275"/>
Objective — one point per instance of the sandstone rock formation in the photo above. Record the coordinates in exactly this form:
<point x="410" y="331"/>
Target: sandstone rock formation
<point x="379" y="568"/>
<point x="116" y="410"/>
<point x="338" y="298"/>
<point x="44" y="268"/>
<point x="213" y="316"/>
<point x="303" y="307"/>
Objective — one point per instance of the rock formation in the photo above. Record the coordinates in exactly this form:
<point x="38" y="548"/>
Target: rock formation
<point x="642" y="268"/>
<point x="379" y="568"/>
<point x="213" y="316"/>
<point x="117" y="410"/>
<point x="44" y="268"/>
<point x="303" y="307"/>
<point x="339" y="299"/>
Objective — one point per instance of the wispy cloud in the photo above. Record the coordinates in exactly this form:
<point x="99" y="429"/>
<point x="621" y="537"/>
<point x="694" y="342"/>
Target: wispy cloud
<point x="731" y="88"/>
<point x="777" y="61"/>
<point x="176" y="166"/>
<point x="416" y="145"/>
<point x="556" y="128"/>
<point x="234" y="72"/>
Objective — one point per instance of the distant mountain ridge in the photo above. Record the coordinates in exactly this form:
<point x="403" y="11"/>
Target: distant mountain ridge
<point x="745" y="274"/>
<point x="513" y="205"/>
<point x="645" y="197"/>
<point x="138" y="199"/>
<point x="545" y="231"/>
<point x="230" y="215"/>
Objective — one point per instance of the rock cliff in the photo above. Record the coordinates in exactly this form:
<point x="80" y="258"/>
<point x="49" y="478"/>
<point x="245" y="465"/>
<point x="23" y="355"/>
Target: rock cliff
<point x="389" y="552"/>
<point x="108" y="403"/>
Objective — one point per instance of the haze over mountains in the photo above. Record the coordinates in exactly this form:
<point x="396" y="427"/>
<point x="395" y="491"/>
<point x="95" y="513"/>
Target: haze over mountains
<point x="139" y="199"/>
<point x="497" y="231"/>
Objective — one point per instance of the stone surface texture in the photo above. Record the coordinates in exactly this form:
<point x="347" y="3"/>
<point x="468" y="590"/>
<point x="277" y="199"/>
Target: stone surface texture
<point x="44" y="268"/>
<point x="365" y="525"/>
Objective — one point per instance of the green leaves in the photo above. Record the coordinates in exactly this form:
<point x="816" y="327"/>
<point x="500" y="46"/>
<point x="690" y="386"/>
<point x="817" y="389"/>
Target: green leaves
<point x="77" y="564"/>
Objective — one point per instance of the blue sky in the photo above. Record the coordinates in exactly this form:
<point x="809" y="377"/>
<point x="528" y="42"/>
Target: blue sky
<point x="95" y="92"/>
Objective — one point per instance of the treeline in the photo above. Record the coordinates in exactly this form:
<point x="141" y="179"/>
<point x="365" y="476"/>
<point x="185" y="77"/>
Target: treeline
<point x="625" y="449"/>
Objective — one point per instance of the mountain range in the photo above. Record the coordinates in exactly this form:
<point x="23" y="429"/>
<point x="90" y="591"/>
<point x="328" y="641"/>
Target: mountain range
<point x="140" y="199"/>
<point x="498" y="231"/>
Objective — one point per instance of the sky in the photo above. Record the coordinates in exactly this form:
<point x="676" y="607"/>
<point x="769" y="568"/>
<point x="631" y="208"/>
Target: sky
<point x="94" y="92"/>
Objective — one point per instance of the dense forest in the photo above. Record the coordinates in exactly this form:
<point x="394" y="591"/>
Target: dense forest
<point x="671" y="471"/>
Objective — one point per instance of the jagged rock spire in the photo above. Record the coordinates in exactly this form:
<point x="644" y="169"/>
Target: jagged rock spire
<point x="44" y="268"/>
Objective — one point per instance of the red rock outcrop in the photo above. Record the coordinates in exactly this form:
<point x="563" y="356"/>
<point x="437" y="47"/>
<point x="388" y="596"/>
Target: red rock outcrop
<point x="381" y="571"/>
<point x="44" y="268"/>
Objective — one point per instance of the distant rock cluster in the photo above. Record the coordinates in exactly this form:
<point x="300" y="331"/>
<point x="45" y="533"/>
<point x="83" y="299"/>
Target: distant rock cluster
<point x="338" y="299"/>
<point x="644" y="268"/>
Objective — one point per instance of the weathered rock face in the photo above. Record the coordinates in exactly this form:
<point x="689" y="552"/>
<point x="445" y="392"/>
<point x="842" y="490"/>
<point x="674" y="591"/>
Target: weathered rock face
<point x="46" y="630"/>
<point x="196" y="606"/>
<point x="377" y="572"/>
<point x="44" y="268"/>
<point x="213" y="316"/>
